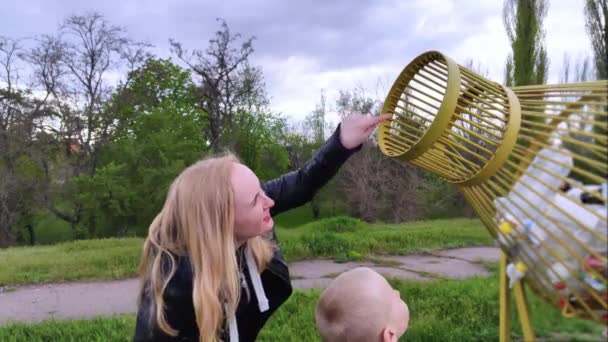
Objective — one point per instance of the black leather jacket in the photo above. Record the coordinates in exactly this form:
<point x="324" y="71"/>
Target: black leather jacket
<point x="288" y="191"/>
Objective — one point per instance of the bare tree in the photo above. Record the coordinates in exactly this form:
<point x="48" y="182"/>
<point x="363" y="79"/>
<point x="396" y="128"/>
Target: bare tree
<point x="225" y="81"/>
<point x="74" y="69"/>
<point x="20" y="115"/>
<point x="315" y="127"/>
<point x="92" y="49"/>
<point x="9" y="101"/>
<point x="581" y="72"/>
<point x="374" y="186"/>
<point x="297" y="146"/>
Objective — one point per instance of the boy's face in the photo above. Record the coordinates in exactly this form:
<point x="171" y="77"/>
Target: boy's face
<point x="399" y="312"/>
<point x="398" y="317"/>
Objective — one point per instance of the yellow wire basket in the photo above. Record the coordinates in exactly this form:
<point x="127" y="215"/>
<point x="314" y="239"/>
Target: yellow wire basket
<point x="531" y="161"/>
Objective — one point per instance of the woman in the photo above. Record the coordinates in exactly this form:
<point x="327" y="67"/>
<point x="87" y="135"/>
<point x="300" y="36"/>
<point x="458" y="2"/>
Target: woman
<point x="209" y="269"/>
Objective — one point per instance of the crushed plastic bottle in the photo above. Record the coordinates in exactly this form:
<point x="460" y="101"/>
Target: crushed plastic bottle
<point x="516" y="272"/>
<point x="548" y="224"/>
<point x="542" y="178"/>
<point x="568" y="210"/>
<point x="595" y="283"/>
<point x="534" y="192"/>
<point x="562" y="278"/>
<point x="535" y="233"/>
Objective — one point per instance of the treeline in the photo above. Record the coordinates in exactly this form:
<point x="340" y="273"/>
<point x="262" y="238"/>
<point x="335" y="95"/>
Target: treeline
<point x="80" y="151"/>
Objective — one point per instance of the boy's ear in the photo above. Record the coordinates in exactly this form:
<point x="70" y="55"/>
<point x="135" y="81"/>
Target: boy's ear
<point x="389" y="335"/>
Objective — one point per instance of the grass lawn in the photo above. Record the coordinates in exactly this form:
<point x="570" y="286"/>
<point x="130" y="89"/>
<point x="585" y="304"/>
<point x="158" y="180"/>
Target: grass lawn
<point x="340" y="238"/>
<point x="446" y="310"/>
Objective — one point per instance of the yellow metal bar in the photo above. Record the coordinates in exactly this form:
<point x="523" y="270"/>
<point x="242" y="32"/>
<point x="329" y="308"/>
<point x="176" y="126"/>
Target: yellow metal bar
<point x="469" y="96"/>
<point x="580" y="103"/>
<point x="411" y="104"/>
<point x="462" y="109"/>
<point x="561" y="87"/>
<point x="506" y="147"/>
<point x="464" y="141"/>
<point x="445" y="111"/>
<point x="505" y="326"/>
<point x="522" y="168"/>
<point x="536" y="145"/>
<point x="551" y="116"/>
<point x="524" y="315"/>
<point x="521" y="302"/>
<point x="577" y="132"/>
<point x="422" y="75"/>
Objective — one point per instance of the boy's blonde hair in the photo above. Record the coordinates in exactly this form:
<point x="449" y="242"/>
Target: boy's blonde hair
<point x="351" y="310"/>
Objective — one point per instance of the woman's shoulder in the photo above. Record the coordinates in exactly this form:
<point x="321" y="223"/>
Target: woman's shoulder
<point x="178" y="306"/>
<point x="181" y="281"/>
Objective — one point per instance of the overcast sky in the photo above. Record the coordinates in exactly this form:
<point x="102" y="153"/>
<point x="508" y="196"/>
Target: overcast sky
<point x="306" y="46"/>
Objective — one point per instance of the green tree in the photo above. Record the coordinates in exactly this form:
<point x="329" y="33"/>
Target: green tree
<point x="260" y="142"/>
<point x="160" y="135"/>
<point x="157" y="83"/>
<point x="528" y="62"/>
<point x="596" y="20"/>
<point x="596" y="17"/>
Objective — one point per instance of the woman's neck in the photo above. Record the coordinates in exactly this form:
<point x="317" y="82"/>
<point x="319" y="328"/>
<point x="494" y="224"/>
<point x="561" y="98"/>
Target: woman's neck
<point x="239" y="243"/>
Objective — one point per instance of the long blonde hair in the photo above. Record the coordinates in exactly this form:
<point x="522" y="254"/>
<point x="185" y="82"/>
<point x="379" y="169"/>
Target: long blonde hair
<point x="197" y="221"/>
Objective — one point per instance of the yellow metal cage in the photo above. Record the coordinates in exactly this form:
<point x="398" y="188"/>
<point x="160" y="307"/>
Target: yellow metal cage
<point x="531" y="161"/>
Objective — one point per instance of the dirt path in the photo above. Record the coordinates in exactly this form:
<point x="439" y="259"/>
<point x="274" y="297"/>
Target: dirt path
<point x="88" y="299"/>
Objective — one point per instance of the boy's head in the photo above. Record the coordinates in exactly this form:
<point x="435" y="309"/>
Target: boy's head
<point x="360" y="305"/>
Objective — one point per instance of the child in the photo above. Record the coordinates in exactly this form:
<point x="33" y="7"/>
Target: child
<point x="360" y="305"/>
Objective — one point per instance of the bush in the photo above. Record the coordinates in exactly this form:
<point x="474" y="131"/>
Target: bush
<point x="338" y="224"/>
<point x="327" y="244"/>
<point x="49" y="230"/>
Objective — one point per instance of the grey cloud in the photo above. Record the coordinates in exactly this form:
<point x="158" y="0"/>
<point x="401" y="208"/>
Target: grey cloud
<point x="338" y="34"/>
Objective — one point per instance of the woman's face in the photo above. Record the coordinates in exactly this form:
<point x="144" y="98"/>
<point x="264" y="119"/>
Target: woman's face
<point x="252" y="206"/>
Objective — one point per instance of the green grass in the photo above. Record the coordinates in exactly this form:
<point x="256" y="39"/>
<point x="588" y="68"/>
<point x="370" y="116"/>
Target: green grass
<point x="84" y="259"/>
<point x="449" y="310"/>
<point x="321" y="238"/>
<point x="115" y="328"/>
<point x="339" y="238"/>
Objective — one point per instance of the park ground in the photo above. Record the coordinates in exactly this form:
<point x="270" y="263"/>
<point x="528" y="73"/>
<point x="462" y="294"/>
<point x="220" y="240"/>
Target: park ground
<point x="446" y="270"/>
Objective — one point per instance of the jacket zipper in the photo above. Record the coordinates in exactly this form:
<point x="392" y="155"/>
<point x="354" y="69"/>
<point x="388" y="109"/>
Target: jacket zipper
<point x="244" y="284"/>
<point x="279" y="274"/>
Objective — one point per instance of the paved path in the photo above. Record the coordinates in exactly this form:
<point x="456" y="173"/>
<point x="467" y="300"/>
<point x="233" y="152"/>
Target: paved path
<point x="88" y="299"/>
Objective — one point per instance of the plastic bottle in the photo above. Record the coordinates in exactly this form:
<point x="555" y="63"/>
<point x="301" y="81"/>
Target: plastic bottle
<point x="545" y="175"/>
<point x="536" y="189"/>
<point x="515" y="272"/>
<point x="563" y="279"/>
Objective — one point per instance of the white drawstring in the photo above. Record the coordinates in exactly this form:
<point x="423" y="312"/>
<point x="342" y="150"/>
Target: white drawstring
<point x="256" y="281"/>
<point x="233" y="329"/>
<point x="258" y="288"/>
